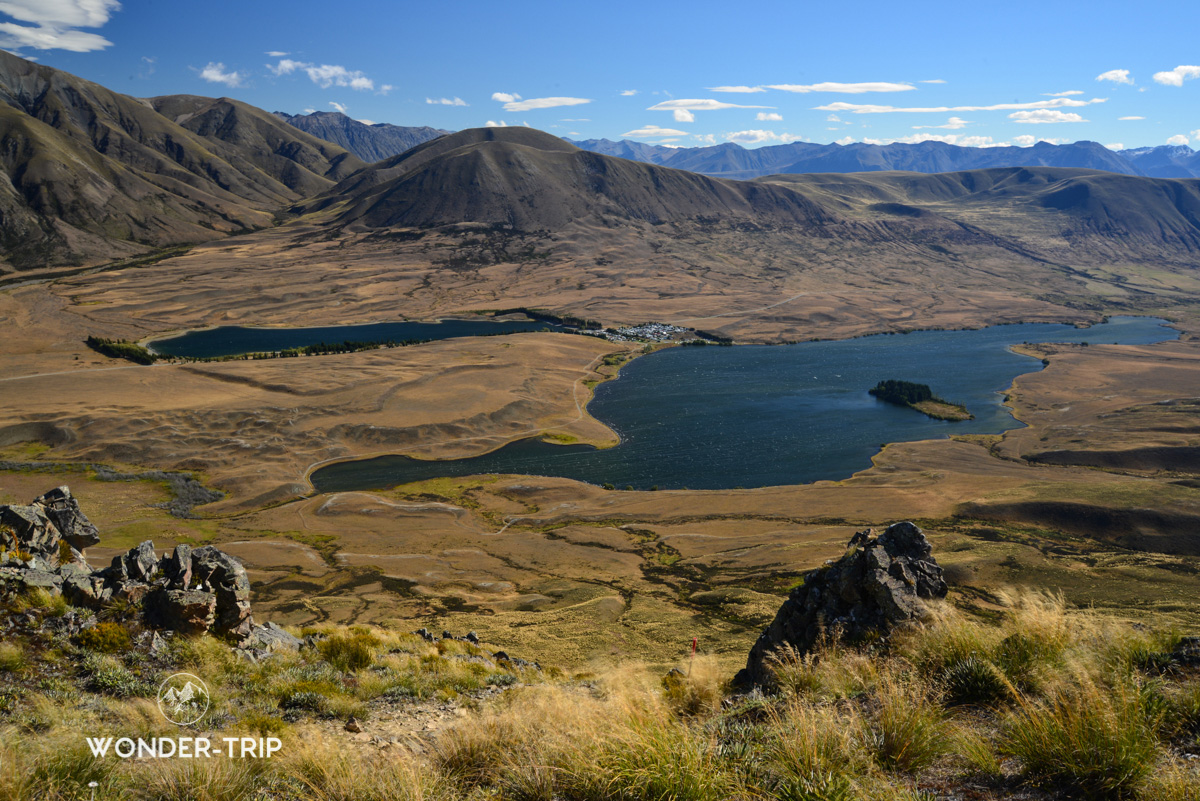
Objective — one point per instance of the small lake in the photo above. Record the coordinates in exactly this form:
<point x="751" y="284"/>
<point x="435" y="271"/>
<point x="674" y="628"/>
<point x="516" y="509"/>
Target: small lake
<point x="753" y="416"/>
<point x="233" y="340"/>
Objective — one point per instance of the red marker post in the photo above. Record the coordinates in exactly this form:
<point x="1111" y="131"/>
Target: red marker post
<point x="693" y="658"/>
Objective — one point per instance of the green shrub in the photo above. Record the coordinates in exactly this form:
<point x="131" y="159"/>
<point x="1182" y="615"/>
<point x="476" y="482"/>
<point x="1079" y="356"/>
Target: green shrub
<point x="305" y="700"/>
<point x="112" y="678"/>
<point x="1093" y="741"/>
<point x="977" y="681"/>
<point x="908" y="732"/>
<point x="12" y="658"/>
<point x="106" y="638"/>
<point x="349" y="652"/>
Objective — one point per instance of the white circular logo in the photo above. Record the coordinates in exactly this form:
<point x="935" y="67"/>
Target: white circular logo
<point x="183" y="699"/>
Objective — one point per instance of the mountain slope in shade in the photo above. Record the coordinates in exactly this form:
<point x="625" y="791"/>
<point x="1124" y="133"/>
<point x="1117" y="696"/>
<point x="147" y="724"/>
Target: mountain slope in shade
<point x="88" y="175"/>
<point x="730" y="160"/>
<point x="531" y="180"/>
<point x="370" y="143"/>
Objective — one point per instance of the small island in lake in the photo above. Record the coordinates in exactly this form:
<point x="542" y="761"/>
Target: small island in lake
<point x="921" y="398"/>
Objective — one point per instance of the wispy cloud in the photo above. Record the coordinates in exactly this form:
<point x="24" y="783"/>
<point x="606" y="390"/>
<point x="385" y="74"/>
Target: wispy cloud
<point x="652" y="130"/>
<point x="1116" y="146"/>
<point x="544" y="102"/>
<point x="843" y="88"/>
<point x="503" y="124"/>
<point x="707" y="104"/>
<point x="325" y="75"/>
<point x="1028" y="140"/>
<point x="1116" y="76"/>
<point x="952" y="124"/>
<point x="276" y="53"/>
<point x="1177" y="76"/>
<point x="737" y="89"/>
<point x="935" y="80"/>
<point x="215" y="72"/>
<point x="1045" y="115"/>
<point x="505" y="97"/>
<point x="1178" y="139"/>
<point x="340" y="107"/>
<point x="446" y="101"/>
<point x="1057" y="102"/>
<point x="768" y="116"/>
<point x="628" y="92"/>
<point x="1130" y="118"/>
<point x="1068" y="93"/>
<point x="913" y="139"/>
<point x="55" y="24"/>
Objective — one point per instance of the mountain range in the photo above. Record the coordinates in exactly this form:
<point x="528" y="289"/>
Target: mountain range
<point x="731" y="160"/>
<point x="369" y="141"/>
<point x="93" y="176"/>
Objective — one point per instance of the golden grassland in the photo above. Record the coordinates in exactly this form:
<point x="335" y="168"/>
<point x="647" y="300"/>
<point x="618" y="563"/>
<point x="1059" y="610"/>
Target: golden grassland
<point x="1032" y="700"/>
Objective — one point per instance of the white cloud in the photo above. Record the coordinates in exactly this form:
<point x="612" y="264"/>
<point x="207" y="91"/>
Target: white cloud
<point x="275" y="53"/>
<point x="706" y="139"/>
<point x="1178" y="139"/>
<point x="310" y="110"/>
<point x="697" y="105"/>
<point x="913" y="139"/>
<point x="576" y="119"/>
<point x="446" y="101"/>
<point x="1130" y="118"/>
<point x="505" y="97"/>
<point x="341" y="107"/>
<point x="843" y="88"/>
<point x="1116" y="76"/>
<point x="628" y="92"/>
<point x="953" y="124"/>
<point x="1177" y="76"/>
<point x="1196" y="134"/>
<point x="367" y="122"/>
<point x="833" y="118"/>
<point x="846" y="140"/>
<point x="755" y="137"/>
<point x="387" y="87"/>
<point x="1045" y="115"/>
<point x="935" y="80"/>
<point x="503" y="124"/>
<point x="652" y="130"/>
<point x="768" y="116"/>
<point x="1116" y="146"/>
<point x="855" y="108"/>
<point x="54" y="24"/>
<point x="544" y="102"/>
<point x="744" y="90"/>
<point x="1068" y="93"/>
<point x="1025" y="140"/>
<point x="683" y="115"/>
<point x="214" y="72"/>
<point x="325" y="75"/>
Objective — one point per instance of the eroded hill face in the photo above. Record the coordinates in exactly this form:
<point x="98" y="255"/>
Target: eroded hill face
<point x="91" y="175"/>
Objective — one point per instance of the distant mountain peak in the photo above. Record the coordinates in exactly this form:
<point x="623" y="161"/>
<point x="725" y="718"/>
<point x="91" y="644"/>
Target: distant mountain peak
<point x="370" y="142"/>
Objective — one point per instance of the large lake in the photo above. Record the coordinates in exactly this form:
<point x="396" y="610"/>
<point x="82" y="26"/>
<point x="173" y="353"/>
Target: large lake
<point x="233" y="340"/>
<point x="752" y="416"/>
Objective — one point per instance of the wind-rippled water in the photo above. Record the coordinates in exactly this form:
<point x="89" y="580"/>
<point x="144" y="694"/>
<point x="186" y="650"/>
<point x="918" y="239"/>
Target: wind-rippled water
<point x="751" y="416"/>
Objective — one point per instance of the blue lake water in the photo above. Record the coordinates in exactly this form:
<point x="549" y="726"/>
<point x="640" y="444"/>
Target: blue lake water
<point x="752" y="416"/>
<point x="233" y="340"/>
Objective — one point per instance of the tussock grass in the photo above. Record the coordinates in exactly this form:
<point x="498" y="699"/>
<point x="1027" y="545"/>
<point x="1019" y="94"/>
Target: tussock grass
<point x="1036" y="695"/>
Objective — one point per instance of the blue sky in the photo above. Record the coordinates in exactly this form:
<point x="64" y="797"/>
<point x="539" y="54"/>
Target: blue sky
<point x="683" y="74"/>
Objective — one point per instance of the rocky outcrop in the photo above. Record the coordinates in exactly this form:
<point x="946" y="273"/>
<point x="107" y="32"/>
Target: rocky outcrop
<point x="189" y="590"/>
<point x="879" y="584"/>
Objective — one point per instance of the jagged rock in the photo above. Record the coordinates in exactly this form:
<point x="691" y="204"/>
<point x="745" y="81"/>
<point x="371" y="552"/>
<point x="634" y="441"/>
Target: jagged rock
<point x="140" y="563"/>
<point x="86" y="590"/>
<point x="178" y="567"/>
<point x="228" y="578"/>
<point x="879" y="584"/>
<point x="472" y="638"/>
<point x="72" y="524"/>
<point x="269" y="637"/>
<point x="352" y="725"/>
<point x="32" y="579"/>
<point x="185" y="611"/>
<point x="29" y="529"/>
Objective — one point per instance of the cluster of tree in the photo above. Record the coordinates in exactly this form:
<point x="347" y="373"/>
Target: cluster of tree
<point x="122" y="349"/>
<point x="903" y="393"/>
